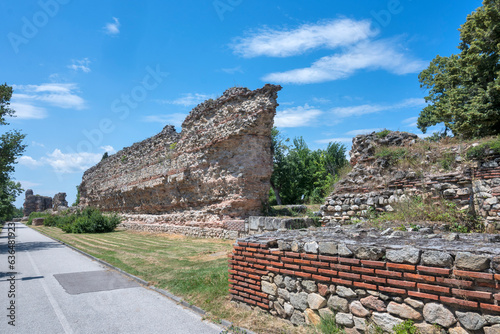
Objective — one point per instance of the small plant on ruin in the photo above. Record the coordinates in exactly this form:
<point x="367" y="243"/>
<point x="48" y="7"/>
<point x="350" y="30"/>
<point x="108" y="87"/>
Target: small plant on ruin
<point x="328" y="325"/>
<point x="485" y="149"/>
<point x="123" y="158"/>
<point x="406" y="327"/>
<point x="391" y="155"/>
<point x="447" y="161"/>
<point x="173" y="146"/>
<point x="383" y="133"/>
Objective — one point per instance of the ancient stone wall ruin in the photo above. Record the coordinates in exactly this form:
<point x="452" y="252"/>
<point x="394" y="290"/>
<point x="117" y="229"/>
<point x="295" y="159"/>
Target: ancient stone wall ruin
<point x="37" y="203"/>
<point x="371" y="280"/>
<point x="212" y="174"/>
<point x="376" y="184"/>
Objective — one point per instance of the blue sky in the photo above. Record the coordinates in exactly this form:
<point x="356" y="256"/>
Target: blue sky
<point x="97" y="76"/>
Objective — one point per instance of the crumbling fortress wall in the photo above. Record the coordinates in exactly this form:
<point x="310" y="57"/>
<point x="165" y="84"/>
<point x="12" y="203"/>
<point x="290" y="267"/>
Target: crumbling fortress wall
<point x="437" y="171"/>
<point x="37" y="203"/>
<point x="212" y="174"/>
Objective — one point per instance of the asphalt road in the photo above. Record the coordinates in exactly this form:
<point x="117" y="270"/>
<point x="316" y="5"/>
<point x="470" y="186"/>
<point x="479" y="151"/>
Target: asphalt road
<point x="54" y="289"/>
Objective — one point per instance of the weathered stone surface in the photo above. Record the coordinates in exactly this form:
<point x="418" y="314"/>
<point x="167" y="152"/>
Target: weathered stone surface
<point x="344" y="251"/>
<point x="218" y="168"/>
<point x="311" y="247"/>
<point x="342" y="291"/>
<point x="344" y="319"/>
<point x="369" y="253"/>
<point x="284" y="293"/>
<point x="359" y="323"/>
<point x="425" y="328"/>
<point x="470" y="261"/>
<point x="414" y="303"/>
<point x="358" y="309"/>
<point x="290" y="283"/>
<point x="385" y="321"/>
<point x="59" y="202"/>
<point x="35" y="203"/>
<point x="495" y="329"/>
<point x="437" y="313"/>
<point x="437" y="258"/>
<point x="405" y="255"/>
<point x="338" y="304"/>
<point x="312" y="317"/>
<point x="403" y="311"/>
<point x="298" y="318"/>
<point x="373" y="303"/>
<point x="325" y="312"/>
<point x="315" y="301"/>
<point x="328" y="248"/>
<point x="492" y="319"/>
<point x="269" y="288"/>
<point x="322" y="289"/>
<point x="299" y="300"/>
<point x="288" y="309"/>
<point x="471" y="320"/>
<point x="37" y="221"/>
<point x="457" y="330"/>
<point x="309" y="286"/>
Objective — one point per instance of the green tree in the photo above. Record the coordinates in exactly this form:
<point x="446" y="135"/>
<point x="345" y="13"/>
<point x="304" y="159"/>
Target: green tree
<point x="77" y="200"/>
<point x="279" y="177"/>
<point x="105" y="156"/>
<point x="11" y="147"/>
<point x="464" y="89"/>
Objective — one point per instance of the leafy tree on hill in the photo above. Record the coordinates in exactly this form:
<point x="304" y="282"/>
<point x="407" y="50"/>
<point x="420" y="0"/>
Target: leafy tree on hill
<point x="464" y="89"/>
<point x="301" y="174"/>
<point x="11" y="147"/>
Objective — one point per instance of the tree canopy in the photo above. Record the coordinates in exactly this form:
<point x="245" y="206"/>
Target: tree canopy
<point x="464" y="89"/>
<point x="300" y="174"/>
<point x="11" y="147"/>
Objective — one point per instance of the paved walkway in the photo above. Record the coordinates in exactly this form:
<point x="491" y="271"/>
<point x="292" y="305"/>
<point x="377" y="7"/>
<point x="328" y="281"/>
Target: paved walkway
<point x="58" y="290"/>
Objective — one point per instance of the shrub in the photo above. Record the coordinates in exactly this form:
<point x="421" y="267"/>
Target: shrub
<point x="383" y="133"/>
<point x="481" y="151"/>
<point x="406" y="327"/>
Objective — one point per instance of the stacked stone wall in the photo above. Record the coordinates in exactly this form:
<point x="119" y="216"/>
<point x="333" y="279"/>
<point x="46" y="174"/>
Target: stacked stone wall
<point x="375" y="184"/>
<point x="216" y="170"/>
<point x="368" y="279"/>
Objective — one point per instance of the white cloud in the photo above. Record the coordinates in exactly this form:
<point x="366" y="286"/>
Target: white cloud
<point x="64" y="162"/>
<point x="175" y="119"/>
<point x="321" y="100"/>
<point x="289" y="42"/>
<point x="373" y="108"/>
<point x="80" y="65"/>
<point x="27" y="110"/>
<point x="113" y="28"/>
<point x="363" y="131"/>
<point x="188" y="99"/>
<point x="338" y="140"/>
<point x="28" y="161"/>
<point x="108" y="148"/>
<point x="411" y="122"/>
<point x="296" y="117"/>
<point x="367" y="55"/>
<point x="62" y="95"/>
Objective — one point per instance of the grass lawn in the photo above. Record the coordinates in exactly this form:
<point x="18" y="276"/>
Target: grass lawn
<point x="194" y="269"/>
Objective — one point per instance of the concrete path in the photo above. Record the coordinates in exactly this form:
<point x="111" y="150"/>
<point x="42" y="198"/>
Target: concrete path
<point x="55" y="289"/>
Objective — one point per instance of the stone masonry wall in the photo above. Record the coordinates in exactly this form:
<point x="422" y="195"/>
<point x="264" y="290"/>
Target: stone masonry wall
<point x="375" y="184"/>
<point x="216" y="170"/>
<point x="368" y="279"/>
<point x="35" y="203"/>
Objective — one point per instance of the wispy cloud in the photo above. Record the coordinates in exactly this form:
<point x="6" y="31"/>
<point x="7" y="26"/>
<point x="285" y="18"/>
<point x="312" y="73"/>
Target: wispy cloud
<point x="28" y="184"/>
<point x="34" y="143"/>
<point x="63" y="162"/>
<point x="108" y="148"/>
<point x="62" y="95"/>
<point x="188" y="99"/>
<point x="362" y="131"/>
<point x="354" y="42"/>
<point x="175" y="119"/>
<point x="411" y="122"/>
<point x="80" y="65"/>
<point x="290" y="42"/>
<point x="296" y="117"/>
<point x="373" y="108"/>
<point x="367" y="55"/>
<point x="113" y="28"/>
<point x="27" y="110"/>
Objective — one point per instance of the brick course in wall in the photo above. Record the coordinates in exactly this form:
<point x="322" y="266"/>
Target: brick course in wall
<point x="258" y="263"/>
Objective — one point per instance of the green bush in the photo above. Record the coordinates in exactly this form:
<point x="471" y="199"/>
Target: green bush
<point x="481" y="151"/>
<point x="90" y="220"/>
<point x="407" y="327"/>
<point x="383" y="133"/>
